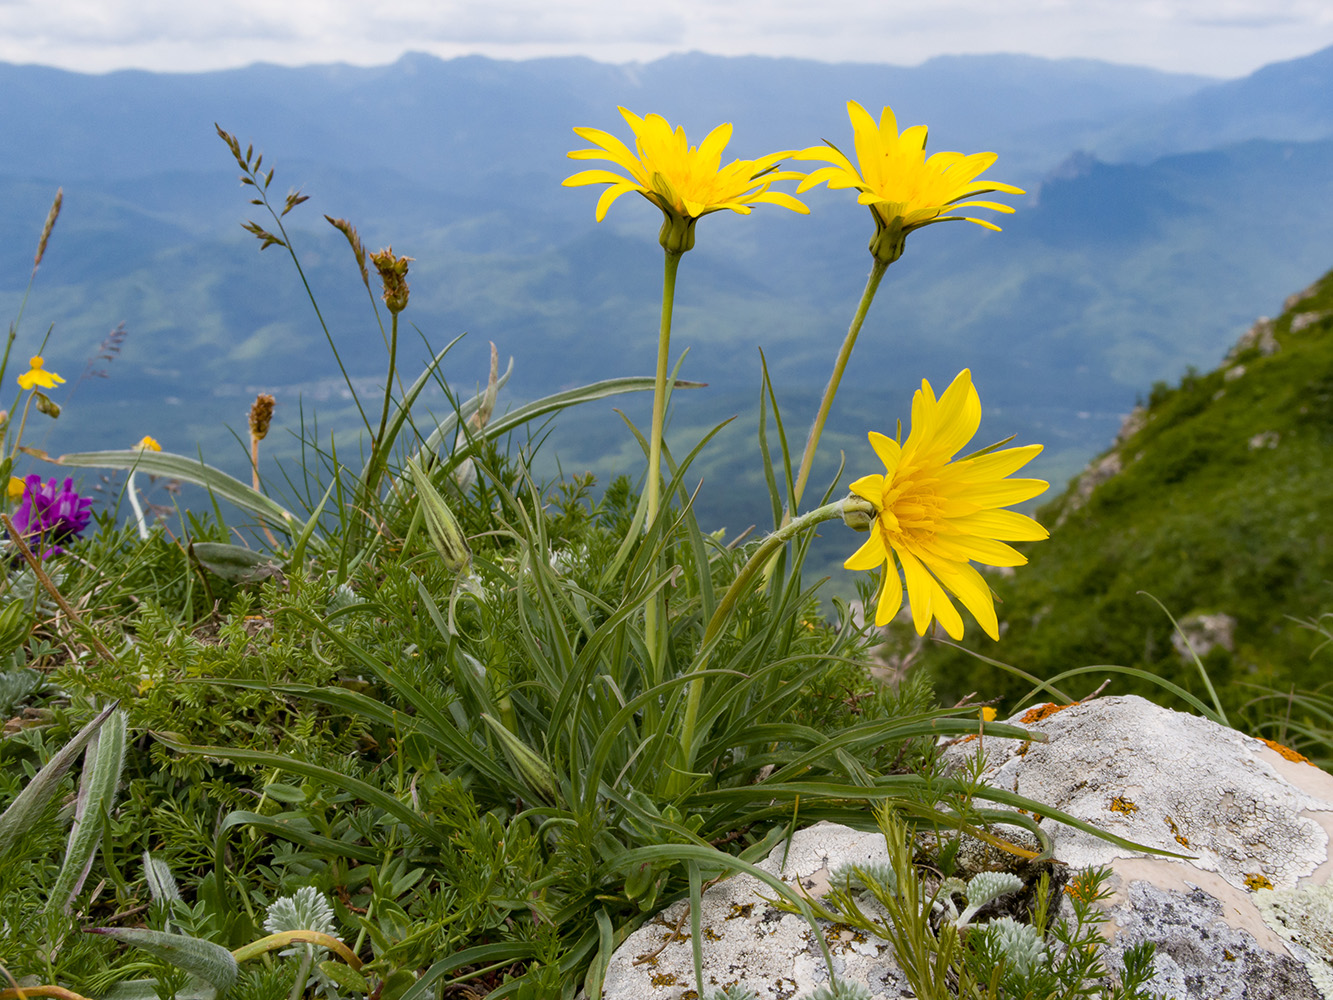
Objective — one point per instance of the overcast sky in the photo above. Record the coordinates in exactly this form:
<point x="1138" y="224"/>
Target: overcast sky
<point x="1226" y="38"/>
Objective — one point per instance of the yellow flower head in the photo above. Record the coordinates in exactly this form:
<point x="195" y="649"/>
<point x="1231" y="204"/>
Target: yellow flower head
<point x="16" y="488"/>
<point x="937" y="515"/>
<point x="37" y="375"/>
<point x="148" y="444"/>
<point x="904" y="190"/>
<point x="686" y="182"/>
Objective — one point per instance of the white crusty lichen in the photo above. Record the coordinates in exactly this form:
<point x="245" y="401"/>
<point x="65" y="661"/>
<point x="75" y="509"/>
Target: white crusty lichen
<point x="1303" y="917"/>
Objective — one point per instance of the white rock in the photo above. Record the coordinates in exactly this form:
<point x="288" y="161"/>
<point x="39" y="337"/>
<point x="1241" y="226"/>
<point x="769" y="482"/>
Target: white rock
<point x="1243" y="913"/>
<point x="749" y="943"/>
<point x="1249" y="819"/>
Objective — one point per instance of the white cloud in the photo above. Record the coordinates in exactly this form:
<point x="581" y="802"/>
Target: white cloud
<point x="1218" y="37"/>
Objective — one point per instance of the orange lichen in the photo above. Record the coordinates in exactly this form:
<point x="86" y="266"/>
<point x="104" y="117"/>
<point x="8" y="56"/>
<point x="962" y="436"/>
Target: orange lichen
<point x="1181" y="839"/>
<point x="1043" y="712"/>
<point x="1286" y="752"/>
<point x="1120" y="804"/>
<point x="1257" y="881"/>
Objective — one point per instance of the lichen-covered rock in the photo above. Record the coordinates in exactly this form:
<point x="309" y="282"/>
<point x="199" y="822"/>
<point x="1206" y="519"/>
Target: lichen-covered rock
<point x="749" y="943"/>
<point x="1245" y="912"/>
<point x="1241" y="912"/>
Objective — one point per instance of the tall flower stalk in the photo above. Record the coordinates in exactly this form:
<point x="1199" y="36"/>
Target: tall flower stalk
<point x="686" y="183"/>
<point x="905" y="191"/>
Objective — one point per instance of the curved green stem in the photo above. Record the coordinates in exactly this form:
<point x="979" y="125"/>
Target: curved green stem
<point x="758" y="560"/>
<point x="831" y="390"/>
<point x="654" y="615"/>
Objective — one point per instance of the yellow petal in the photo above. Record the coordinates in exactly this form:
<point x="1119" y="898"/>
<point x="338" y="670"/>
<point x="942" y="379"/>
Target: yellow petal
<point x="870" y="555"/>
<point x="971" y="589"/>
<point x="1002" y="493"/>
<point x="890" y="595"/>
<point x="888" y="450"/>
<point x="1006" y="525"/>
<point x="869" y="488"/>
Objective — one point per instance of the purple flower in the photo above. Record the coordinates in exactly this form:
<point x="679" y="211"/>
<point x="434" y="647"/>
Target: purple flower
<point x="49" y="514"/>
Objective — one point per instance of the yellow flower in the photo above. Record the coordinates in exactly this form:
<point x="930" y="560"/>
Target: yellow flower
<point x="937" y="515"/>
<point x="904" y="190"/>
<point x="684" y="181"/>
<point x="148" y="444"/>
<point x="37" y="375"/>
<point x="16" y="488"/>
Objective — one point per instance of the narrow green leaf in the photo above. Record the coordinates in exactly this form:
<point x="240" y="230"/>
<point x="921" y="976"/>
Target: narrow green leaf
<point x="97" y="793"/>
<point x="493" y="956"/>
<point x="502" y="425"/>
<point x="191" y="470"/>
<point x="210" y="962"/>
<point x="29" y="804"/>
<point x="366" y="792"/>
<point x="449" y="424"/>
<point x="289" y="831"/>
<point x="345" y="977"/>
<point x="161" y="884"/>
<point x="234" y="563"/>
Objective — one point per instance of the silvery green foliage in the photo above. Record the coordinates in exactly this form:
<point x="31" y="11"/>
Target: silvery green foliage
<point x="864" y="876"/>
<point x="305" y="910"/>
<point x="984" y="887"/>
<point x="343" y="596"/>
<point x="733" y="993"/>
<point x="840" y="991"/>
<point x="1021" y="944"/>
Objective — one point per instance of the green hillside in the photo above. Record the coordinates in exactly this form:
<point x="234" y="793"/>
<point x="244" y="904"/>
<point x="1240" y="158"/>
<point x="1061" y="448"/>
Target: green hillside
<point x="1217" y="499"/>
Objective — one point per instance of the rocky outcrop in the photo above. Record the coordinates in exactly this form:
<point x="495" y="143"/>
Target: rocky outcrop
<point x="1244" y="910"/>
<point x="1237" y="903"/>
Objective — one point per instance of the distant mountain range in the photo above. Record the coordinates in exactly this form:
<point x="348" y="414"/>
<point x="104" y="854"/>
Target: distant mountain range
<point x="1164" y="212"/>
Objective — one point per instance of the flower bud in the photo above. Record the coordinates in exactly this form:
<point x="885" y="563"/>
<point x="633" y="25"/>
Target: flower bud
<point x="677" y="232"/>
<point x="531" y="768"/>
<point x="45" y="404"/>
<point x="858" y="513"/>
<point x="441" y="525"/>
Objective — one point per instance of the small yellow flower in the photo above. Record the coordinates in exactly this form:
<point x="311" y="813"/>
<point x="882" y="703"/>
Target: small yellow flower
<point x="937" y="515"/>
<point x="37" y="375"/>
<point x="904" y="190"/>
<point x="148" y="444"/>
<point x="686" y="182"/>
<point x="16" y="488"/>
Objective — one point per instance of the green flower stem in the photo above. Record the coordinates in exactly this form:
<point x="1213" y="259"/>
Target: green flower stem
<point x="368" y="491"/>
<point x="654" y="487"/>
<point x="826" y="403"/>
<point x="659" y="386"/>
<point x="388" y="383"/>
<point x="741" y="585"/>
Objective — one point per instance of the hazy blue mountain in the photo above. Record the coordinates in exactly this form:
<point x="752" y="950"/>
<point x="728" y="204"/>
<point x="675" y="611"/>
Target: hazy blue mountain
<point x="1109" y="277"/>
<point x="1287" y="100"/>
